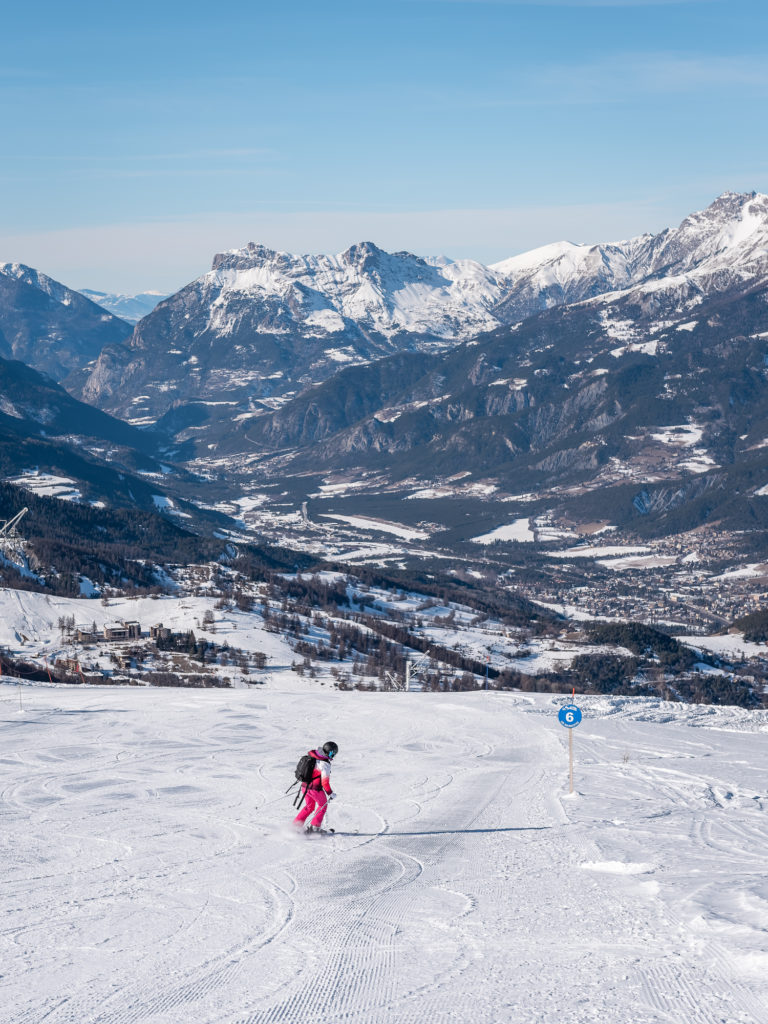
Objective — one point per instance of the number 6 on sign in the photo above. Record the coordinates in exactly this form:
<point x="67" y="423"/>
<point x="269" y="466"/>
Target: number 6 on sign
<point x="570" y="716"/>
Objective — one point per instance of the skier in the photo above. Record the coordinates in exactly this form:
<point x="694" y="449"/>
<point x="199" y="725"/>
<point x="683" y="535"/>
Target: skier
<point x="318" y="792"/>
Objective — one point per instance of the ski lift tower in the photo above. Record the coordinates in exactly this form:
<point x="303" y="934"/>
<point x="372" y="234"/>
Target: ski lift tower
<point x="414" y="669"/>
<point x="395" y="682"/>
<point x="11" y="542"/>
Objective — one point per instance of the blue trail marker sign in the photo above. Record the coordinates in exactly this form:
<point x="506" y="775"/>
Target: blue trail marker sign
<point x="569" y="716"/>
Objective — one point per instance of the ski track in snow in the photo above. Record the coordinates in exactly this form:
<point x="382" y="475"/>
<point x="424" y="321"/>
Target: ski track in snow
<point x="151" y="874"/>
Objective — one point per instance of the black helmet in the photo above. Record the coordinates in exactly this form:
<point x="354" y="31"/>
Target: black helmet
<point x="330" y="749"/>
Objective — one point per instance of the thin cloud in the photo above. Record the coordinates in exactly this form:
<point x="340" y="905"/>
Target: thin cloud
<point x="570" y="3"/>
<point x="616" y="79"/>
<point x="207" y="154"/>
<point x="199" y="154"/>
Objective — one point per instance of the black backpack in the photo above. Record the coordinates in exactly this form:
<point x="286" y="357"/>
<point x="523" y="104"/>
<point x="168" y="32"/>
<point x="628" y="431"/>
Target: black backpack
<point x="305" y="773"/>
<point x="305" y="769"/>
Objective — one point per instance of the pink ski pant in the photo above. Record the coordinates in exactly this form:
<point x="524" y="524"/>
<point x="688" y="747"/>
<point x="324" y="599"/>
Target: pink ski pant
<point x="314" y="800"/>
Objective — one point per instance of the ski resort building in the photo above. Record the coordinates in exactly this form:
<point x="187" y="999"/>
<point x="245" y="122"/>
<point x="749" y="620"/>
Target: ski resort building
<point x="123" y="631"/>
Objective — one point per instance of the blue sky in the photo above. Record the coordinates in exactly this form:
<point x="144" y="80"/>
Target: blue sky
<point x="139" y="139"/>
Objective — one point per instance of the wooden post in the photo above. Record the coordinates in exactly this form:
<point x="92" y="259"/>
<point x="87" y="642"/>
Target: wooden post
<point x="570" y="740"/>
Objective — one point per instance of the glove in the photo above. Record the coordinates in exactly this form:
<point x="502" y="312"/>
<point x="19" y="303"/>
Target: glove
<point x="331" y="796"/>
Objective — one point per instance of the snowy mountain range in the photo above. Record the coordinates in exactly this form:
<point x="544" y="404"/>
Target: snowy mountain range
<point x="710" y="251"/>
<point x="130" y="308"/>
<point x="262" y="325"/>
<point x="652" y="396"/>
<point x="559" y="367"/>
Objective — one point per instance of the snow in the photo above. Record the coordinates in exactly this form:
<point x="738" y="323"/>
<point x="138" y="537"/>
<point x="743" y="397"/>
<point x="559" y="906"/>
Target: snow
<point x="342" y="355"/>
<point x="730" y="646"/>
<point x="529" y="496"/>
<point x="327" y="320"/>
<point x="129" y="307"/>
<point x="391" y="292"/>
<point x="518" y="530"/>
<point x="616" y="867"/>
<point x="366" y="523"/>
<point x="621" y="330"/>
<point x="387" y="415"/>
<point x="249" y="502"/>
<point x="47" y="485"/>
<point x="535" y="258"/>
<point x="646" y="562"/>
<point x="29" y="623"/>
<point x="513" y="383"/>
<point x="428" y="493"/>
<point x="700" y="462"/>
<point x="686" y="434"/>
<point x="340" y="487"/>
<point x="604" y="551"/>
<point x="648" y="348"/>
<point x="150" y="874"/>
<point x="88" y="588"/>
<point x="546" y="530"/>
<point x="754" y="569"/>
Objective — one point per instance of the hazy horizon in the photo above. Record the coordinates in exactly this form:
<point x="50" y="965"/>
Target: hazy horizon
<point x="136" y="148"/>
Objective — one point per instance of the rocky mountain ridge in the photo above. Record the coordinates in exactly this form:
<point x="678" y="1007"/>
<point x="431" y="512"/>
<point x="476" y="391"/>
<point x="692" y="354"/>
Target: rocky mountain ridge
<point x="654" y="397"/>
<point x="261" y="325"/>
<point x="641" y="362"/>
<point x="49" y="326"/>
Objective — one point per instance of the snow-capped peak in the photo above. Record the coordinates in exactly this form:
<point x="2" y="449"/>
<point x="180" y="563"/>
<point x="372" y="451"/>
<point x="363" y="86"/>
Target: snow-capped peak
<point x="370" y="291"/>
<point x="535" y="258"/>
<point x="365" y="285"/>
<point x="736" y="223"/>
<point x="36" y="279"/>
<point x="722" y="243"/>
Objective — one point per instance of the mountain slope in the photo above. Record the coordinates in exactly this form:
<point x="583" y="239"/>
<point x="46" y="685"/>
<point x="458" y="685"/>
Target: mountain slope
<point x="262" y="326"/>
<point x="33" y="403"/>
<point x="49" y="326"/>
<point x="710" y="251"/>
<point x="51" y="443"/>
<point x="473" y="888"/>
<point x="596" y="396"/>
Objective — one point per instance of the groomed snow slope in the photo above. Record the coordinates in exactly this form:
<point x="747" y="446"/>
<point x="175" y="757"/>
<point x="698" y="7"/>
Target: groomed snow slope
<point x="150" y="875"/>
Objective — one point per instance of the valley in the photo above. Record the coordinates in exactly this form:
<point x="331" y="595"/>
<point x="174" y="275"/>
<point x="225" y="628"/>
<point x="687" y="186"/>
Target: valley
<point x="571" y="437"/>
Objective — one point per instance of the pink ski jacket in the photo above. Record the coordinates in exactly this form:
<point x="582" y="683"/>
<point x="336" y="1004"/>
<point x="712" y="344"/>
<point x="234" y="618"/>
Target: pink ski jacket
<point x="321" y="778"/>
